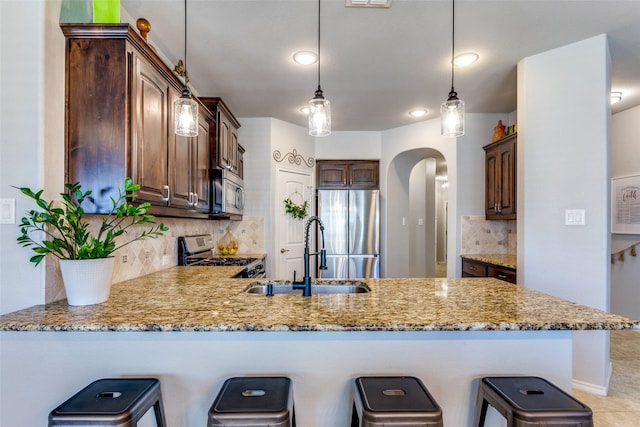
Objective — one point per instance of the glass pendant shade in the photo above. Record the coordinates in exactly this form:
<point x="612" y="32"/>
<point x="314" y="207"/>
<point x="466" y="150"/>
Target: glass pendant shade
<point x="319" y="115"/>
<point x="185" y="115"/>
<point x="452" y="116"/>
<point x="452" y="110"/>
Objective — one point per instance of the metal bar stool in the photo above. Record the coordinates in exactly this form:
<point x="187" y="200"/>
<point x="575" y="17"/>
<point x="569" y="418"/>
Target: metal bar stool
<point x="393" y="401"/>
<point x="529" y="401"/>
<point x="111" y="402"/>
<point x="254" y="402"/>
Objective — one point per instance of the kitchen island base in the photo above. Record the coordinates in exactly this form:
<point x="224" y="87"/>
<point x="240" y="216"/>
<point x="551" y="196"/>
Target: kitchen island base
<point x="192" y="366"/>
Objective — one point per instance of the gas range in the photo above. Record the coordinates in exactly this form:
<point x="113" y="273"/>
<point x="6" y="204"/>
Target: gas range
<point x="198" y="251"/>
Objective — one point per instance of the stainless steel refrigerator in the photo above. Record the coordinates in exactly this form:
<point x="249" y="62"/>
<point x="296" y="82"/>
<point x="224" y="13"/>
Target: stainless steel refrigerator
<point x="351" y="221"/>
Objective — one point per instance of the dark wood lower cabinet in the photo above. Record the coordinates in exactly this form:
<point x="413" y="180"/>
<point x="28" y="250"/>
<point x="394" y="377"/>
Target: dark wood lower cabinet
<point x="475" y="268"/>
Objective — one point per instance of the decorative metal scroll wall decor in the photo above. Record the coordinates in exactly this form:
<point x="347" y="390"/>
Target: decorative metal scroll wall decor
<point x="293" y="157"/>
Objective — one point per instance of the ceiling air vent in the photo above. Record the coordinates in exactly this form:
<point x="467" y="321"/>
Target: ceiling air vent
<point x="368" y="3"/>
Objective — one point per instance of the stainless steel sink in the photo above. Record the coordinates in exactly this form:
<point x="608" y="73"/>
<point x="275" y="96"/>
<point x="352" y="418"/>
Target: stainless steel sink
<point x="318" y="287"/>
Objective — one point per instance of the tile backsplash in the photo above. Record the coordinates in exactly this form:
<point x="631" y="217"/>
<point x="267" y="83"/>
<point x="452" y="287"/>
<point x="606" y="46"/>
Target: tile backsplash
<point x="150" y="255"/>
<point x="480" y="236"/>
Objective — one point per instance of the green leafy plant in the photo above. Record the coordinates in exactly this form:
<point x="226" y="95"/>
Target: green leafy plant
<point x="296" y="211"/>
<point x="66" y="230"/>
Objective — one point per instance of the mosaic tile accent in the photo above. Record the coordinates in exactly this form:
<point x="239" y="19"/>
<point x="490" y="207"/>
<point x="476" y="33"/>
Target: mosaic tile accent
<point x="147" y="256"/>
<point x="480" y="236"/>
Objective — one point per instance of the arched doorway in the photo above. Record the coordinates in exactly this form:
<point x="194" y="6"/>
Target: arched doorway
<point x="417" y="203"/>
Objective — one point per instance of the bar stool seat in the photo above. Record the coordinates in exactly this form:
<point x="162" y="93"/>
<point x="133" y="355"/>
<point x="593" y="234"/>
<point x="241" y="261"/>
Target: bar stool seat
<point x="530" y="401"/>
<point x="254" y="402"/>
<point x="111" y="402"/>
<point x="393" y="401"/>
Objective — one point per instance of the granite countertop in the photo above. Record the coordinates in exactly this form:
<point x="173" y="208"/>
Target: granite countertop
<point x="502" y="260"/>
<point x="205" y="299"/>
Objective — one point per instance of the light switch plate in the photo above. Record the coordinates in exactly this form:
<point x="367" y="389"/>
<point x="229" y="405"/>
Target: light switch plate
<point x="7" y="211"/>
<point x="574" y="217"/>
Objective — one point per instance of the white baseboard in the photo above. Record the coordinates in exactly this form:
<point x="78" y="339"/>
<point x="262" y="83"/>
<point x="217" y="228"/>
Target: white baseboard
<point x="593" y="388"/>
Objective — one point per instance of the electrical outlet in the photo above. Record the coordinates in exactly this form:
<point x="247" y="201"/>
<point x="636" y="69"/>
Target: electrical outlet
<point x="7" y="211"/>
<point x="165" y="259"/>
<point x="124" y="259"/>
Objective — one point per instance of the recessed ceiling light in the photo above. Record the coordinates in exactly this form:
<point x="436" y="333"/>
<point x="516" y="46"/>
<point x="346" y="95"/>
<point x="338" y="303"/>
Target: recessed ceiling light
<point x="418" y="113"/>
<point x="465" y="59"/>
<point x="305" y="57"/>
<point x="304" y="110"/>
<point x="616" y="97"/>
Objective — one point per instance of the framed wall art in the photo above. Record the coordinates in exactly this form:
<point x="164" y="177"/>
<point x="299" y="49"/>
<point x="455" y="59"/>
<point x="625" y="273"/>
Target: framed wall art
<point x="625" y="205"/>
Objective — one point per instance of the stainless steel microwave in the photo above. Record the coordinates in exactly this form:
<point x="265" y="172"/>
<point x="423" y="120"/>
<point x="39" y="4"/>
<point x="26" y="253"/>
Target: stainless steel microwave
<point x="227" y="193"/>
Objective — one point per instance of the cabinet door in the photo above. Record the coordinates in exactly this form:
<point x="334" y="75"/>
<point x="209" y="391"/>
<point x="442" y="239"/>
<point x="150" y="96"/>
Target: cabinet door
<point x="202" y="157"/>
<point x="180" y="164"/>
<point x="224" y="146"/>
<point x="332" y="175"/>
<point x="500" y="179"/>
<point x="502" y="274"/>
<point x="507" y="190"/>
<point x="233" y="149"/>
<point x="149" y="123"/>
<point x="240" y="162"/>
<point x="472" y="268"/>
<point x="492" y="181"/>
<point x="363" y="175"/>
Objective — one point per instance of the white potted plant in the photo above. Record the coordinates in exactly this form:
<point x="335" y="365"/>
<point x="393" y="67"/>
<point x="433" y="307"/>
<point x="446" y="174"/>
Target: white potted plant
<point x="60" y="228"/>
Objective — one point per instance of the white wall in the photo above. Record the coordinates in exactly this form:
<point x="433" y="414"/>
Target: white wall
<point x="625" y="160"/>
<point x="349" y="145"/>
<point x="563" y="163"/>
<point x="421" y="219"/>
<point x="255" y="136"/>
<point x="31" y="125"/>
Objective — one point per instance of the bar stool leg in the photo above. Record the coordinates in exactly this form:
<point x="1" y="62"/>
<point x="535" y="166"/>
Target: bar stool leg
<point x="158" y="410"/>
<point x="481" y="409"/>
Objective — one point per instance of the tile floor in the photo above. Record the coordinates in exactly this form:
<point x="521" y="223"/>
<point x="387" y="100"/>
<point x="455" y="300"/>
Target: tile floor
<point x="621" y="408"/>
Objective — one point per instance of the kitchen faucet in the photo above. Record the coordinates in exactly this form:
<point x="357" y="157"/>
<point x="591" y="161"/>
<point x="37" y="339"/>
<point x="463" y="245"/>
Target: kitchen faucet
<point x="305" y="284"/>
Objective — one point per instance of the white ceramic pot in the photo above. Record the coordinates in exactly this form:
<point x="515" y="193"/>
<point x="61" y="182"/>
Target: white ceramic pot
<point x="87" y="281"/>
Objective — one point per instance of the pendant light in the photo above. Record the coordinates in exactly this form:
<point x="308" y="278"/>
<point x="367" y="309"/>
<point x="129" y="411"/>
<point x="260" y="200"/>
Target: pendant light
<point x="452" y="110"/>
<point x="185" y="109"/>
<point x="319" y="106"/>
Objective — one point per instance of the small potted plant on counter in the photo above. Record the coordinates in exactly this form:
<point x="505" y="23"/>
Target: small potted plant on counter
<point x="62" y="230"/>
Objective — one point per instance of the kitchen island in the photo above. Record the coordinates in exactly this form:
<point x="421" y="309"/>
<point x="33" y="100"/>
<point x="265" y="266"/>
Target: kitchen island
<point x="193" y="327"/>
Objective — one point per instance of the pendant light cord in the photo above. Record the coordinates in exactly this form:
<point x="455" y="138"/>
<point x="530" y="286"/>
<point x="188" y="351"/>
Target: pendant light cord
<point x="319" y="45"/>
<point x="185" y="43"/>
<point x="453" y="32"/>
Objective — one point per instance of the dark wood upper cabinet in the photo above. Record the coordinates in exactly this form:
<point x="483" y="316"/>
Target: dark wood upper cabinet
<point x="347" y="174"/>
<point x="119" y="123"/>
<point x="241" y="152"/>
<point x="226" y="135"/>
<point x="151" y="98"/>
<point x="189" y="166"/>
<point x="500" y="178"/>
